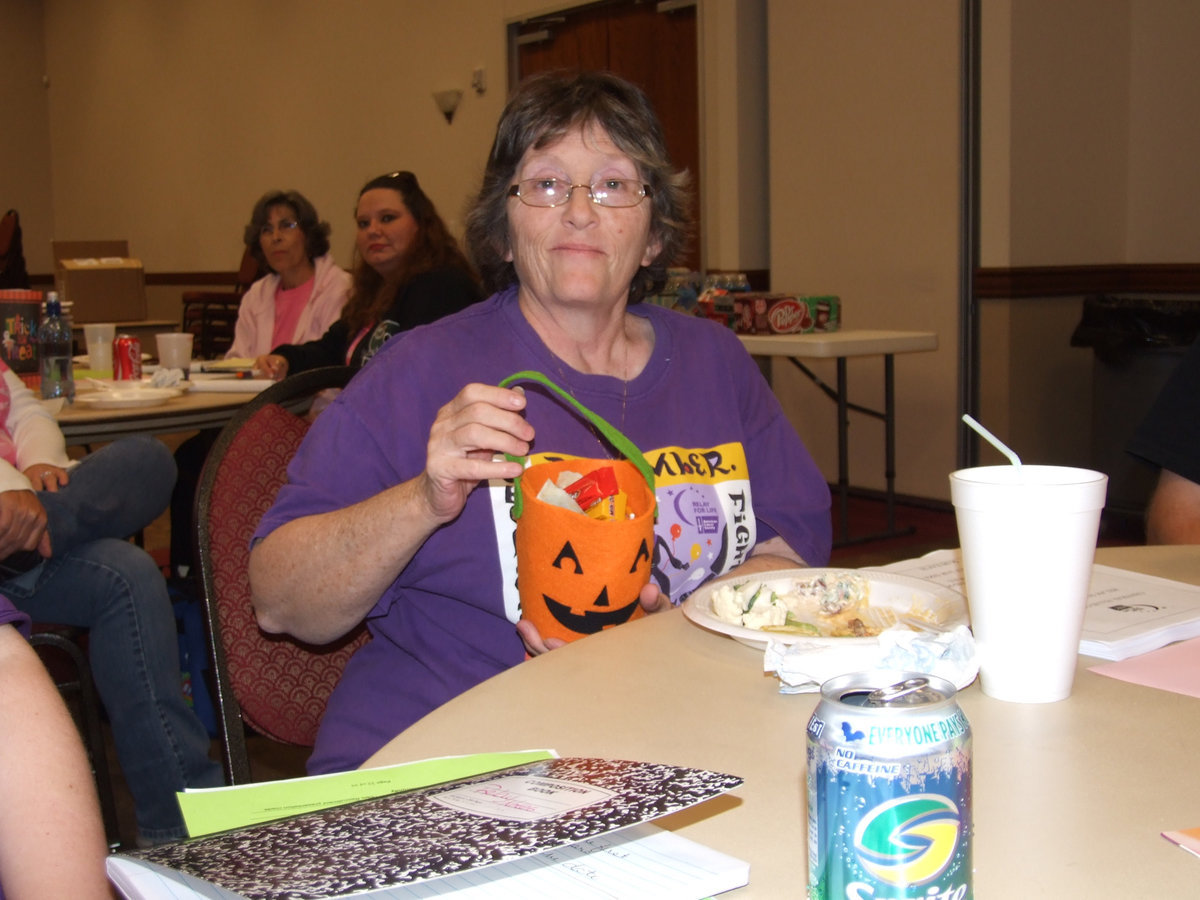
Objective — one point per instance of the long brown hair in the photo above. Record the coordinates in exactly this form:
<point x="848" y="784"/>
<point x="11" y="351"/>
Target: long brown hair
<point x="432" y="248"/>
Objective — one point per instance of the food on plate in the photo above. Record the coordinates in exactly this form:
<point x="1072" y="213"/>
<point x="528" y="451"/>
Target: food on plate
<point x="831" y="604"/>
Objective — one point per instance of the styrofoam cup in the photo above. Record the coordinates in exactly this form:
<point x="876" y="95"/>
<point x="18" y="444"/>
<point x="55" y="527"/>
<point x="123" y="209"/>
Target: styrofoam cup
<point x="99" y="339"/>
<point x="175" y="350"/>
<point x="1028" y="537"/>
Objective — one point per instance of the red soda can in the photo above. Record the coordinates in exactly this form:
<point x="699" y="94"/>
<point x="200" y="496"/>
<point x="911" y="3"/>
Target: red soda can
<point x="127" y="358"/>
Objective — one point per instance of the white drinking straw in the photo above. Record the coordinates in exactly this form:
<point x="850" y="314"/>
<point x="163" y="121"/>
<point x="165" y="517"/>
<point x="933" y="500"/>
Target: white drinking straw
<point x="992" y="439"/>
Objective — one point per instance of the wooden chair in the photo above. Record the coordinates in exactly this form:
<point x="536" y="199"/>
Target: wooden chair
<point x="212" y="315"/>
<point x="272" y="683"/>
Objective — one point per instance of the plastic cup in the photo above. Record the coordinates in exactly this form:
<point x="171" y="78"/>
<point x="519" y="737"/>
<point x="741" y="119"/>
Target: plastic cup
<point x="1028" y="536"/>
<point x="175" y="350"/>
<point x="99" y="340"/>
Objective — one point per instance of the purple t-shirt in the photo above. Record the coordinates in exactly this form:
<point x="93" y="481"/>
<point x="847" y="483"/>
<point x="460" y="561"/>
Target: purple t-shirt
<point x="10" y="615"/>
<point x="730" y="470"/>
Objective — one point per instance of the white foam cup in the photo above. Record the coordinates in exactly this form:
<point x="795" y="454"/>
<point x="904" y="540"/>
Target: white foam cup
<point x="99" y="339"/>
<point x="1028" y="537"/>
<point x="175" y="350"/>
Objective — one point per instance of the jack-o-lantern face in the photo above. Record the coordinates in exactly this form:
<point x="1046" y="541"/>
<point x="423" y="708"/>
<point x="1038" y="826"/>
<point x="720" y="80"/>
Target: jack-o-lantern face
<point x="579" y="575"/>
<point x="583" y="605"/>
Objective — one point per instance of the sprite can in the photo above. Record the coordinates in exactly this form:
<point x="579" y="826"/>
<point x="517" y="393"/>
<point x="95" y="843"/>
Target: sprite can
<point x="889" y="790"/>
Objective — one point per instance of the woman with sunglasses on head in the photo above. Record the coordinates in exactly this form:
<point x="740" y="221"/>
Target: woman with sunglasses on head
<point x="408" y="271"/>
<point x="305" y="290"/>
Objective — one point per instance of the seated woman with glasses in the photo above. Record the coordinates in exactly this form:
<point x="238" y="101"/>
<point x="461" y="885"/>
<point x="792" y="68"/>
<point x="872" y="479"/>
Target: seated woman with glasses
<point x="305" y="290"/>
<point x="300" y="297"/>
<point x="408" y="271"/>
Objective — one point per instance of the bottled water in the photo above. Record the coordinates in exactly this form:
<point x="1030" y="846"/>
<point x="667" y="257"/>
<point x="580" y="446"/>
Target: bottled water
<point x="54" y="352"/>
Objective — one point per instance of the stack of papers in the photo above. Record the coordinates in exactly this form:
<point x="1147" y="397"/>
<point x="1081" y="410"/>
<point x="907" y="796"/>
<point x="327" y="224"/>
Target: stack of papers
<point x="1127" y="613"/>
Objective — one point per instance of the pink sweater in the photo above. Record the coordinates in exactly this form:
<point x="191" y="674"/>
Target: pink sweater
<point x="256" y="314"/>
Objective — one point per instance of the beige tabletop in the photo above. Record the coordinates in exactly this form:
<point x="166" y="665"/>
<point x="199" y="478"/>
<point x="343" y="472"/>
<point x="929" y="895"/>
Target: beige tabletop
<point x="192" y="411"/>
<point x="829" y="345"/>
<point x="1070" y="797"/>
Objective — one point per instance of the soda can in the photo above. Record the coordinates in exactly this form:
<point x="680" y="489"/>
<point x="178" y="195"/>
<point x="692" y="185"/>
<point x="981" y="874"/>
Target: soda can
<point x="127" y="358"/>
<point x="889" y="790"/>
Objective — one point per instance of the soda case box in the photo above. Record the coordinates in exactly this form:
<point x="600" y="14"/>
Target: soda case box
<point x="20" y="315"/>
<point x="777" y="313"/>
<point x="100" y="280"/>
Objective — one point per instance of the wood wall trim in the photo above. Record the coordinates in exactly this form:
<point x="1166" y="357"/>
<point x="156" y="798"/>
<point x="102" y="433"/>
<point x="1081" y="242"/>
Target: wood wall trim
<point x="1059" y="281"/>
<point x="159" y="279"/>
<point x="989" y="283"/>
<point x="223" y="279"/>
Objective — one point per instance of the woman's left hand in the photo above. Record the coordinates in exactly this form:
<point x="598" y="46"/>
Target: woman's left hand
<point x="45" y="477"/>
<point x="652" y="599"/>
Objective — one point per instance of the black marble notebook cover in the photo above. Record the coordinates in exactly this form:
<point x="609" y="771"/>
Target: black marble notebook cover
<point x="413" y="836"/>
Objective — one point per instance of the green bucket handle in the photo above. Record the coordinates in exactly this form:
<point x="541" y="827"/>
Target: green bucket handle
<point x="627" y="447"/>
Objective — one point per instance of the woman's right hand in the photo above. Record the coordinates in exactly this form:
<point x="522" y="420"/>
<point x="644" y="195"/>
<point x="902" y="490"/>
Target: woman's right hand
<point x="481" y="422"/>
<point x="271" y="365"/>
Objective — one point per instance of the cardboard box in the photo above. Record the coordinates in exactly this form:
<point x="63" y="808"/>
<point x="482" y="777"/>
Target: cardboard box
<point x="100" y="281"/>
<point x="759" y="313"/>
<point x="20" y="314"/>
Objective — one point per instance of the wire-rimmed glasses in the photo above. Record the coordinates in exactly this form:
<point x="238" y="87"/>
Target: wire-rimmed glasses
<point x="551" y="192"/>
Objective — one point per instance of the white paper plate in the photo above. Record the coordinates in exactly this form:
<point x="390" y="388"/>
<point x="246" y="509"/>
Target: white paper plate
<point x="941" y="608"/>
<point x="92" y="385"/>
<point x="128" y="398"/>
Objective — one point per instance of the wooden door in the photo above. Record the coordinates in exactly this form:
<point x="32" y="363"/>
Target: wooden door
<point x="655" y="50"/>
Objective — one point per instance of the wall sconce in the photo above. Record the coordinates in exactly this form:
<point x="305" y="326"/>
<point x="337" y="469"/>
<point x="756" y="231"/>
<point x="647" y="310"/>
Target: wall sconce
<point x="447" y="102"/>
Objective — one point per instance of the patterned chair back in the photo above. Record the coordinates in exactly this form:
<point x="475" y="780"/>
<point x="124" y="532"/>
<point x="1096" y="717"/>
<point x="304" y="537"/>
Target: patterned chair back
<point x="276" y="685"/>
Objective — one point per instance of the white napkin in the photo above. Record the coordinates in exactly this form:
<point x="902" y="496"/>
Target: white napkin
<point x="802" y="667"/>
<point x="167" y="378"/>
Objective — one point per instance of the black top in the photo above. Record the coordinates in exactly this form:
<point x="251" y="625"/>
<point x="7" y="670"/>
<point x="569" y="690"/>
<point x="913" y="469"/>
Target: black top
<point x="1169" y="436"/>
<point x="425" y="298"/>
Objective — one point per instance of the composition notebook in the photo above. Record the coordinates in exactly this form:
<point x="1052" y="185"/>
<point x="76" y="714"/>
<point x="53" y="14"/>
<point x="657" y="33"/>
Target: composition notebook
<point x="553" y="828"/>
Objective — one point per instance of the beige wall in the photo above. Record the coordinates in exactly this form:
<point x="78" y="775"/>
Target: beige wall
<point x="1164" y="132"/>
<point x="864" y="204"/>
<point x="168" y="120"/>
<point x="830" y="153"/>
<point x="25" y="125"/>
<point x="1089" y="142"/>
<point x="733" y="128"/>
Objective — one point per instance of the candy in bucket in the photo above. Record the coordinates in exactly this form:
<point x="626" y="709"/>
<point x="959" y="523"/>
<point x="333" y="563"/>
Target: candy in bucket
<point x="582" y="565"/>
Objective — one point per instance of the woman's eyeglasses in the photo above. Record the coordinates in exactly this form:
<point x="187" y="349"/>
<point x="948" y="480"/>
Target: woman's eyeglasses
<point x="551" y="192"/>
<point x="284" y="225"/>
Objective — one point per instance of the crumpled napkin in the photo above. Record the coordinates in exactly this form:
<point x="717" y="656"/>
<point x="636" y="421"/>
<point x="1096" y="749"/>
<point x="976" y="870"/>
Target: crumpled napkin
<point x="803" y="666"/>
<point x="165" y="378"/>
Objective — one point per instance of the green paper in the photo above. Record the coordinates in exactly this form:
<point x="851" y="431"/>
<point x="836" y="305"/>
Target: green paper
<point x="209" y="810"/>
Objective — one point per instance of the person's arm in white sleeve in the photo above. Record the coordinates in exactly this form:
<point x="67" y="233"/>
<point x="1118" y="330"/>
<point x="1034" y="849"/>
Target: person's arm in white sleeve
<point x="33" y="429"/>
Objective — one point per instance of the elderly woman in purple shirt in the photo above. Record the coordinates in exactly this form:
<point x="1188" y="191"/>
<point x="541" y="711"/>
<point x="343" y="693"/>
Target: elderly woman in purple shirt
<point x="397" y="509"/>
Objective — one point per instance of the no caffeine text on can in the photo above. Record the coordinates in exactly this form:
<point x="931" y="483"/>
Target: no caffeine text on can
<point x="889" y="790"/>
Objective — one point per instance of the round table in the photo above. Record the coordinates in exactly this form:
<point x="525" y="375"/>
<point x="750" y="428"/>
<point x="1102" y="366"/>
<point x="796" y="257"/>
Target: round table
<point x="1070" y="797"/>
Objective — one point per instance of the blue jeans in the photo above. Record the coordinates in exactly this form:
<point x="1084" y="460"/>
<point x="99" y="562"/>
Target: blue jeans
<point x="100" y="581"/>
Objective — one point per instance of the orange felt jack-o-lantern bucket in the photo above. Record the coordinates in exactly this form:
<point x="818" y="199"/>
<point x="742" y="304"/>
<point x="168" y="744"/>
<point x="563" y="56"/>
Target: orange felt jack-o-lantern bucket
<point x="578" y="575"/>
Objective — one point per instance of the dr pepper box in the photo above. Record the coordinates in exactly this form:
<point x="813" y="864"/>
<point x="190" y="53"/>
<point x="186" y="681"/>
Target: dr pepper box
<point x="761" y="313"/>
<point x="20" y="313"/>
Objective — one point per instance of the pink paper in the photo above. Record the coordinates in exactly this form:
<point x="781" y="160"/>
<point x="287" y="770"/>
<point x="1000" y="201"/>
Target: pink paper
<point x="1188" y="839"/>
<point x="1175" y="667"/>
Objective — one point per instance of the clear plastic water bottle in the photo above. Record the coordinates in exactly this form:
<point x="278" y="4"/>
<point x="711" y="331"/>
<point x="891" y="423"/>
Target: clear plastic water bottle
<point x="54" y="352"/>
